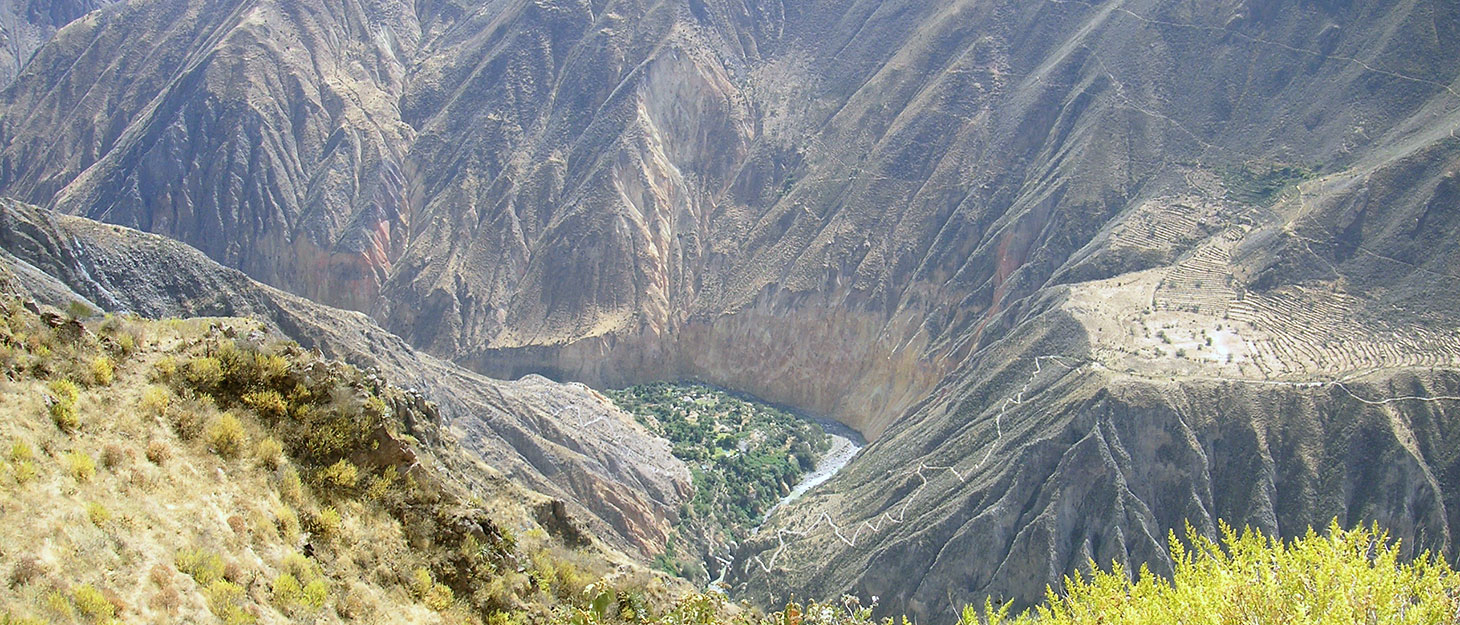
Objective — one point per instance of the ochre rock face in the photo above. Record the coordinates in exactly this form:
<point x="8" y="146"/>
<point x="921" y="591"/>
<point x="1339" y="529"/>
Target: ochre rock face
<point x="863" y="208"/>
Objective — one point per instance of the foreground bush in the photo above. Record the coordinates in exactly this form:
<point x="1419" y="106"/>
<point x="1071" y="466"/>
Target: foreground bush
<point x="1346" y="576"/>
<point x="1342" y="577"/>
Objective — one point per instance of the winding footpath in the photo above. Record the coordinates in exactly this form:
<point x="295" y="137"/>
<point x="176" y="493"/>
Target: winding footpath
<point x="887" y="519"/>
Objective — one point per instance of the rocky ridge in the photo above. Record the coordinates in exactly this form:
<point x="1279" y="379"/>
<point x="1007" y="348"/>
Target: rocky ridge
<point x="618" y="481"/>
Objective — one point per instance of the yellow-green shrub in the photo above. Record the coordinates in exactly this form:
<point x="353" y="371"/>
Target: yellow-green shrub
<point x="64" y="415"/>
<point x="379" y="485"/>
<point x="127" y="343"/>
<point x="98" y="513"/>
<point x="165" y="369"/>
<point x="436" y="596"/>
<point x="287" y="591"/>
<point x="25" y="471"/>
<point x="375" y="407"/>
<point x="64" y="390"/>
<point x="421" y="582"/>
<point x="502" y="589"/>
<point x="506" y="618"/>
<point x="92" y="604"/>
<point x="269" y="404"/>
<point x="80" y="466"/>
<point x="341" y="475"/>
<point x="63" y="408"/>
<point x="559" y="575"/>
<point x="225" y="600"/>
<point x="205" y="567"/>
<point x="1346" y="576"/>
<point x="440" y="598"/>
<point x="291" y="488"/>
<point x="300" y="583"/>
<point x="323" y="434"/>
<point x="155" y="400"/>
<point x="103" y="371"/>
<point x="300" y="566"/>
<point x="204" y="373"/>
<point x="316" y="593"/>
<point x="225" y="436"/>
<point x="272" y="367"/>
<point x="287" y="521"/>
<point x="327" y="523"/>
<point x="269" y="452"/>
<point x="59" y="606"/>
<point x="20" y="451"/>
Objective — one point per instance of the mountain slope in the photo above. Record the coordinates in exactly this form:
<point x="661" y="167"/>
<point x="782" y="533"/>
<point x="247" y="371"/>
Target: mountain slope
<point x="614" y="476"/>
<point x="27" y="25"/>
<point x="1037" y="462"/>
<point x="657" y="184"/>
<point x="162" y="470"/>
<point x="862" y="208"/>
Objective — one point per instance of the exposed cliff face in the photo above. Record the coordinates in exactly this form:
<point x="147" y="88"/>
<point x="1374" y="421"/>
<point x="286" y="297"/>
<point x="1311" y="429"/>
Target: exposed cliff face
<point x="562" y="440"/>
<point x="26" y="25"/>
<point x="865" y="208"/>
<point x="264" y="134"/>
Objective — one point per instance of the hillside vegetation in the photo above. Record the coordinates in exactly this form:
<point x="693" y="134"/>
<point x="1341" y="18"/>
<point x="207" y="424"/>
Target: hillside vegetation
<point x="1345" y="576"/>
<point x="1340" y="577"/>
<point x="204" y="471"/>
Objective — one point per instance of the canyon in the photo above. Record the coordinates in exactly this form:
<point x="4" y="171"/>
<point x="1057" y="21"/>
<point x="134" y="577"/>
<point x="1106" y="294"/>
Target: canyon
<point x="1080" y="272"/>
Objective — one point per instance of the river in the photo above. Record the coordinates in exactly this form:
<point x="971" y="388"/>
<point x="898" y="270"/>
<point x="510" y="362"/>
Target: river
<point x="845" y="443"/>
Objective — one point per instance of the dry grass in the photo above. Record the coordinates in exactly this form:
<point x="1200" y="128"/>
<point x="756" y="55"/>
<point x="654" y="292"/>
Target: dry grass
<point x="114" y="456"/>
<point x="269" y="452"/>
<point x="226" y="495"/>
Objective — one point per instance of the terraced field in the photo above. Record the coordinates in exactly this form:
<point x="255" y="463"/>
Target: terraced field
<point x="1193" y="317"/>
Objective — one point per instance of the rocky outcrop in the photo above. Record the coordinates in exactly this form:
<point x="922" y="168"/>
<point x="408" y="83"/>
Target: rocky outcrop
<point x="561" y="440"/>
